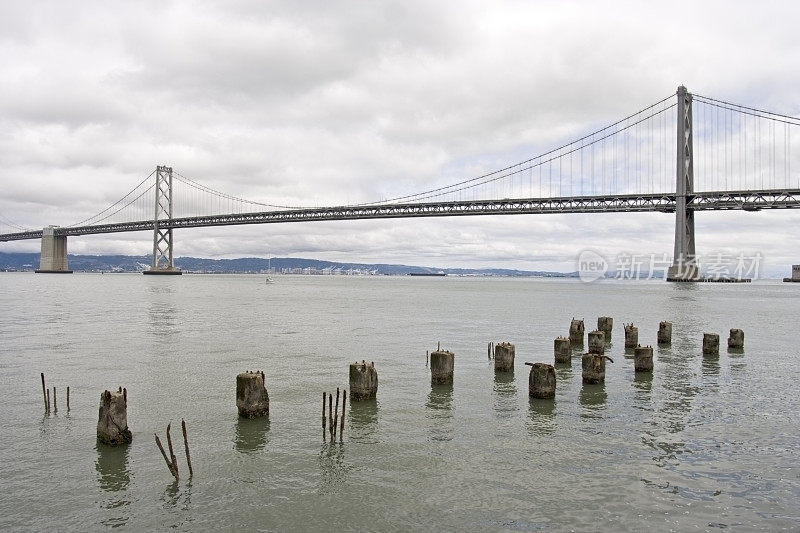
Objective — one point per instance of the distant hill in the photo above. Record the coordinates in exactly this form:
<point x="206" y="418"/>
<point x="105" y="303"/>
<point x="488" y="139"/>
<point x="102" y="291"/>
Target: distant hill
<point x="13" y="262"/>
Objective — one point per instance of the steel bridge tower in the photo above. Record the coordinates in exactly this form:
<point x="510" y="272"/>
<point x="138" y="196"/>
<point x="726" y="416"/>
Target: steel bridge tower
<point x="684" y="263"/>
<point x="162" y="233"/>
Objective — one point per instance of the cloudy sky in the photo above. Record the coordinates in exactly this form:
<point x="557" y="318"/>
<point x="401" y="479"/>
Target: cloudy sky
<point x="319" y="103"/>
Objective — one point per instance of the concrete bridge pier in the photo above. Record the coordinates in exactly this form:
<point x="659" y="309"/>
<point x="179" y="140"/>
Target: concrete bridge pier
<point x="54" y="253"/>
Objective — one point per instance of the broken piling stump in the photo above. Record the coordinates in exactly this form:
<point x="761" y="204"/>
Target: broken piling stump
<point x="736" y="339"/>
<point x="112" y="423"/>
<point x="504" y="357"/>
<point x="593" y="367"/>
<point x="442" y="363"/>
<point x="710" y="344"/>
<point x="643" y="359"/>
<point x="252" y="398"/>
<point x="664" y="333"/>
<point x="576" y="330"/>
<point x="605" y="324"/>
<point x="562" y="351"/>
<point x="597" y="342"/>
<point x="541" y="380"/>
<point x="363" y="381"/>
<point x="631" y="336"/>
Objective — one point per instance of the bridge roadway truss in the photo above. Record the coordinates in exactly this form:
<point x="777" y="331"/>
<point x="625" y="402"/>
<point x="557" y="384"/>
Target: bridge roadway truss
<point x="664" y="203"/>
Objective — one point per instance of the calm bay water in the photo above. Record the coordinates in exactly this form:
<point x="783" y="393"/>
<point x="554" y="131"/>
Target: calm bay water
<point x="705" y="443"/>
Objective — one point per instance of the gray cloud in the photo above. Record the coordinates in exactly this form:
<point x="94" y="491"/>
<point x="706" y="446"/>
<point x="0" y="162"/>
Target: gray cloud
<point x="313" y="103"/>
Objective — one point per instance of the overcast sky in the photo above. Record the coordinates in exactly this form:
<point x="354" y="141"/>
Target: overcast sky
<point x="317" y="103"/>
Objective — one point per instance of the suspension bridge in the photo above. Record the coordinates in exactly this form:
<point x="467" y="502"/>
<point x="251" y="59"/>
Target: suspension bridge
<point x="683" y="154"/>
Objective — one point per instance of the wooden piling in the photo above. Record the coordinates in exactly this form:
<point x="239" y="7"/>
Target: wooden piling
<point x="442" y="363"/>
<point x="44" y="396"/>
<point x="55" y="401"/>
<point x="541" y="380"/>
<point x="597" y="342"/>
<point x="504" y="357"/>
<point x="631" y="336"/>
<point x="336" y="413"/>
<point x="330" y="413"/>
<point x="172" y="469"/>
<point x="48" y="400"/>
<point x="67" y="398"/>
<point x="736" y="339"/>
<point x="562" y="351"/>
<point x="426" y="358"/>
<point x="186" y="446"/>
<point x="171" y="451"/>
<point x="710" y="344"/>
<point x="576" y="329"/>
<point x="344" y="401"/>
<point x="664" y="333"/>
<point x="323" y="411"/>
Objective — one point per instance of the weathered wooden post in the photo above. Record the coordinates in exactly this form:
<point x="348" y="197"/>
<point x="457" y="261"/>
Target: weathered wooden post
<point x="597" y="342"/>
<point x="186" y="447"/>
<point x="344" y="402"/>
<point x="665" y="333"/>
<point x="562" y="351"/>
<point x="605" y="324"/>
<point x="363" y="381"/>
<point x="504" y="357"/>
<point x="576" y="330"/>
<point x="330" y="414"/>
<point x="541" y="380"/>
<point x="643" y="359"/>
<point x="593" y="367"/>
<point x="442" y="363"/>
<point x="631" y="336"/>
<point x="335" y="415"/>
<point x="323" y="414"/>
<point x="112" y="423"/>
<point x="55" y="401"/>
<point x="172" y="461"/>
<point x="710" y="344"/>
<point x="44" y="396"/>
<point x="67" y="399"/>
<point x="736" y="339"/>
<point x="252" y="398"/>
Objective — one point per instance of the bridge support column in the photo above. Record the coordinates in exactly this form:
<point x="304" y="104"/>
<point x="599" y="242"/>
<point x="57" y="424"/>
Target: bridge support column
<point x="684" y="266"/>
<point x="54" y="253"/>
<point x="162" y="236"/>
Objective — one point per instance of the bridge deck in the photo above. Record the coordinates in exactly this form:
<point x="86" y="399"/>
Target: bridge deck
<point x="664" y="203"/>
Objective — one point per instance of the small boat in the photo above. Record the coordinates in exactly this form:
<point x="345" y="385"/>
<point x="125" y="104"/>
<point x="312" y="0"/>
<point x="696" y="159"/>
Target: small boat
<point x="269" y="270"/>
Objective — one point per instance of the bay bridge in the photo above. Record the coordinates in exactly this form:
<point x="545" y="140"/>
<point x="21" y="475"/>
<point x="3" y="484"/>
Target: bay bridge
<point x="683" y="154"/>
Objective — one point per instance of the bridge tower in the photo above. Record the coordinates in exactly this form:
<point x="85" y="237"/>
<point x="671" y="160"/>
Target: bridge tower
<point x="684" y="264"/>
<point x="162" y="233"/>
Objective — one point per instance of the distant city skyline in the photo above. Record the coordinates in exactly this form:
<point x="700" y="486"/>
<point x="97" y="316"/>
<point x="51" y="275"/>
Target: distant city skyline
<point x="299" y="103"/>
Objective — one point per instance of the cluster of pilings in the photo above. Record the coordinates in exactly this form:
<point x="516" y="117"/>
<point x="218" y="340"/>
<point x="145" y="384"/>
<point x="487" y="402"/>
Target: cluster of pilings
<point x="711" y="342"/>
<point x="252" y="398"/>
<point x="172" y="461"/>
<point x="48" y="407"/>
